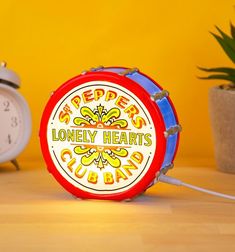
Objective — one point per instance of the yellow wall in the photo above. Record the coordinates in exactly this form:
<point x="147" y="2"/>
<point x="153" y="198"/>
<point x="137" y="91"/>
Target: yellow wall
<point x="48" y="42"/>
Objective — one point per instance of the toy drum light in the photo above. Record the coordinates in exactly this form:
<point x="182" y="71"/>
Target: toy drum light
<point x="108" y="133"/>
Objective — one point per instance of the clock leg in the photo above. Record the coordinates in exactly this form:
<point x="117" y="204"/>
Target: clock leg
<point x="15" y="163"/>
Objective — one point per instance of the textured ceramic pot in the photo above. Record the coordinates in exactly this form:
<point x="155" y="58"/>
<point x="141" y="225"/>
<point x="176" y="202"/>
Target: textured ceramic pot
<point x="222" y="114"/>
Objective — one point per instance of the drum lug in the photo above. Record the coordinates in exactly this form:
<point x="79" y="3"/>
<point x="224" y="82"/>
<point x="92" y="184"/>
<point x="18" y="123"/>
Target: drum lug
<point x="129" y="71"/>
<point x="172" y="130"/>
<point x="159" y="95"/>
<point x="93" y="69"/>
<point x="163" y="170"/>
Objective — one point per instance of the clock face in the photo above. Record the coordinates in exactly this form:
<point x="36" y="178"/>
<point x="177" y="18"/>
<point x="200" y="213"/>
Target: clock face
<point x="15" y="123"/>
<point x="11" y="122"/>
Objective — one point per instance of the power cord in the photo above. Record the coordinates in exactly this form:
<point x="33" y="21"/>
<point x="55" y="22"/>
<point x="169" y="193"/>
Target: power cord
<point x="173" y="181"/>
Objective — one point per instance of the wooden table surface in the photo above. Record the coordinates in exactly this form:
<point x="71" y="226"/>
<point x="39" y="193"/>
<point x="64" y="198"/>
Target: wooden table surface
<point x="37" y="214"/>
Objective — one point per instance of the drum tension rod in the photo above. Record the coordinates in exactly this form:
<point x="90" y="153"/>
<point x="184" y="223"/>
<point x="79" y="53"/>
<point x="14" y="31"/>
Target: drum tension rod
<point x="129" y="71"/>
<point x="172" y="130"/>
<point x="93" y="69"/>
<point x="159" y="95"/>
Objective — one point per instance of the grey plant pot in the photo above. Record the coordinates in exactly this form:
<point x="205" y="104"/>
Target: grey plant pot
<point x="222" y="114"/>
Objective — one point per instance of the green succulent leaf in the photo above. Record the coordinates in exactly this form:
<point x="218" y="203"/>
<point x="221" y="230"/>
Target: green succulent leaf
<point x="232" y="30"/>
<point x="229" y="40"/>
<point x="219" y="77"/>
<point x="225" y="70"/>
<point x="226" y="46"/>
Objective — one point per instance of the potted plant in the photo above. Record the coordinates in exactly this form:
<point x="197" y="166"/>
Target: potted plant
<point x="222" y="104"/>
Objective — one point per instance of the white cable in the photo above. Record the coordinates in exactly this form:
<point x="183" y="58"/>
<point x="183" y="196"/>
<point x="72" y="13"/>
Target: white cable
<point x="173" y="181"/>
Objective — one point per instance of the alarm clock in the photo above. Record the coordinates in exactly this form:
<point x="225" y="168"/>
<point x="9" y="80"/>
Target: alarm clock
<point x="108" y="133"/>
<point x="15" y="117"/>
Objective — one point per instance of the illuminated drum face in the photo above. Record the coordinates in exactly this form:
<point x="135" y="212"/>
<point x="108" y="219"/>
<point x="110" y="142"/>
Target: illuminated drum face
<point x="101" y="139"/>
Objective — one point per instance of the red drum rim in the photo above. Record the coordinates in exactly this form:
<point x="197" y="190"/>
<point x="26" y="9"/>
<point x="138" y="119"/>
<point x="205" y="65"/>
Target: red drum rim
<point x="151" y="106"/>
